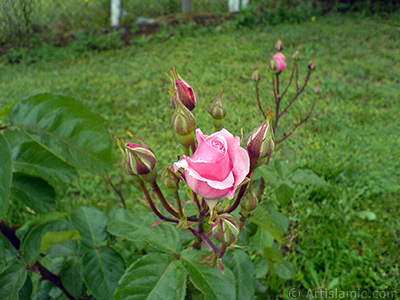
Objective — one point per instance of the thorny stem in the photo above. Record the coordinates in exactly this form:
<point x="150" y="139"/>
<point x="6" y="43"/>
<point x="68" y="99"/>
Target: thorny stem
<point x="153" y="207"/>
<point x="118" y="191"/>
<point x="258" y="101"/>
<point x="3" y="127"/>
<point x="9" y="233"/>
<point x="297" y="78"/>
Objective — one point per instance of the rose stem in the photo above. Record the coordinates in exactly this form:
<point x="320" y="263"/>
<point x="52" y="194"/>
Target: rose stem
<point x="186" y="150"/>
<point x="278" y="102"/>
<point x="178" y="201"/>
<point x="164" y="202"/>
<point x="166" y="205"/>
<point x="153" y="207"/>
<point x="196" y="201"/>
<point x="295" y="97"/>
<point x="206" y="239"/>
<point x="118" y="191"/>
<point x="258" y="101"/>
<point x="290" y="81"/>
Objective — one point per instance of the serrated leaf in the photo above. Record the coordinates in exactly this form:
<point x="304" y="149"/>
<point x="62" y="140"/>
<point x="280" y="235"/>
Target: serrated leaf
<point x="275" y="233"/>
<point x="155" y="276"/>
<point x="31" y="158"/>
<point x="136" y="228"/>
<point x="51" y="239"/>
<point x="284" y="194"/>
<point x="71" y="277"/>
<point x="66" y="128"/>
<point x="31" y="240"/>
<point x="208" y="280"/>
<point x="242" y="268"/>
<point x="5" y="175"/>
<point x="91" y="223"/>
<point x="102" y="269"/>
<point x="12" y="280"/>
<point x="285" y="270"/>
<point x="34" y="192"/>
<point x="307" y="177"/>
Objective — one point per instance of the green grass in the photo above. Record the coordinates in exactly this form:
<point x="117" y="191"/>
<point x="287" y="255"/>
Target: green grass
<point x="355" y="145"/>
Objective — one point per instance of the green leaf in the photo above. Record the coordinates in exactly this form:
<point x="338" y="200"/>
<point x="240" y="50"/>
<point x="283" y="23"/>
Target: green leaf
<point x="31" y="158"/>
<point x="91" y="224"/>
<point x="71" y="277"/>
<point x="285" y="270"/>
<point x="155" y="276"/>
<point x="26" y="291"/>
<point x="284" y="194"/>
<point x="5" y="175"/>
<point x="6" y="110"/>
<point x="66" y="128"/>
<point x="273" y="255"/>
<point x="262" y="238"/>
<point x="12" y="281"/>
<point x="31" y="240"/>
<point x="208" y="280"/>
<point x="51" y="239"/>
<point x="282" y="168"/>
<point x="243" y="269"/>
<point x="136" y="228"/>
<point x="33" y="192"/>
<point x="102" y="269"/>
<point x="307" y="177"/>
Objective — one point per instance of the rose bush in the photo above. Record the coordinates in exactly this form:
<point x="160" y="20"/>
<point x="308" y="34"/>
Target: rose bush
<point x="218" y="166"/>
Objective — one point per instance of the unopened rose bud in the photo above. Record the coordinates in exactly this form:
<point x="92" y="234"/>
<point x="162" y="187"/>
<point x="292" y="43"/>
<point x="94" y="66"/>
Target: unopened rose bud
<point x="249" y="202"/>
<point x="181" y="90"/>
<point x="279" y="46"/>
<point x="183" y="123"/>
<point x="218" y="112"/>
<point x="226" y="228"/>
<point x="170" y="179"/>
<point x="185" y="94"/>
<point x="256" y="76"/>
<point x="260" y="143"/>
<point x="280" y="63"/>
<point x="317" y="90"/>
<point x="296" y="56"/>
<point x="273" y="65"/>
<point x="139" y="160"/>
<point x="311" y="65"/>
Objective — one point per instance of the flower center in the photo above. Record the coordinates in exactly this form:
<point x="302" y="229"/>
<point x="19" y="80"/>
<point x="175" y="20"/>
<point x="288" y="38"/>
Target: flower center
<point x="218" y="145"/>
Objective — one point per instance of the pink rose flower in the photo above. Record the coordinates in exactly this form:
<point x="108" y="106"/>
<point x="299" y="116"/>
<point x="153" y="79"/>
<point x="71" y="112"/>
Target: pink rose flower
<point x="218" y="166"/>
<point x="280" y="60"/>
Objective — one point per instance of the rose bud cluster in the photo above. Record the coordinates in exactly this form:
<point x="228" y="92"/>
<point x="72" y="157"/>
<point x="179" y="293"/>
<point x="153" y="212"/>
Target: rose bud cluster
<point x="261" y="143"/>
<point x="218" y="112"/>
<point x="139" y="159"/>
<point x="226" y="228"/>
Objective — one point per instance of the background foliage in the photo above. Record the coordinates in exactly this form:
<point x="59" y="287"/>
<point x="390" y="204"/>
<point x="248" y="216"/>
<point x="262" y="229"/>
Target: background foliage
<point x="343" y="232"/>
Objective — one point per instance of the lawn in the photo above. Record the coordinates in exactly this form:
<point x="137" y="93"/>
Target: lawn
<point x="344" y="235"/>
